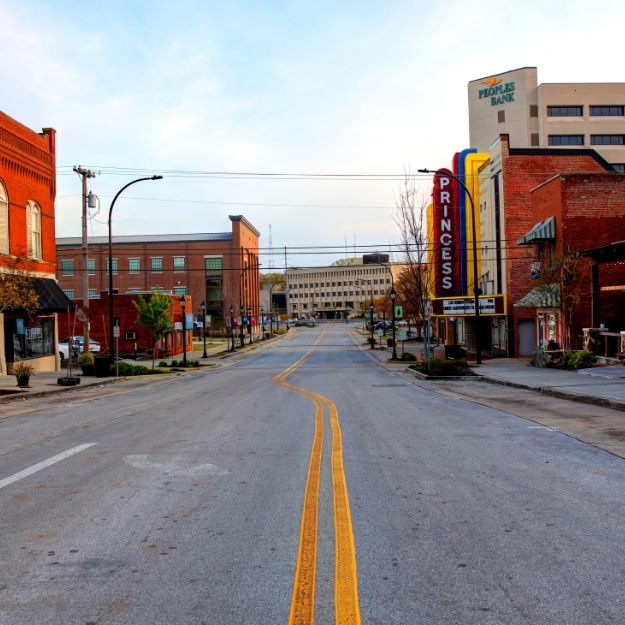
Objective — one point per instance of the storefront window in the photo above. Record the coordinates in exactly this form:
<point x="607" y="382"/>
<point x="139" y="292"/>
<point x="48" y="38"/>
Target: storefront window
<point x="460" y="332"/>
<point x="32" y="338"/>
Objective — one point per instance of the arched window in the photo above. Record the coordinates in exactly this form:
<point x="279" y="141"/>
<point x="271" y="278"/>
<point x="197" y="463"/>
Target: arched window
<point x="33" y="217"/>
<point x="4" y="220"/>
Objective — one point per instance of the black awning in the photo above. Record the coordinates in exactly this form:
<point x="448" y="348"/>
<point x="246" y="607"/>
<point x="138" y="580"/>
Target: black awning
<point x="51" y="297"/>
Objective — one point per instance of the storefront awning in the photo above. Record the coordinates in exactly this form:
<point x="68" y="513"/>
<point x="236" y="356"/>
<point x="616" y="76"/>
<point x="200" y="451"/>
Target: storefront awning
<point x="51" y="297"/>
<point x="544" y="296"/>
<point x="542" y="231"/>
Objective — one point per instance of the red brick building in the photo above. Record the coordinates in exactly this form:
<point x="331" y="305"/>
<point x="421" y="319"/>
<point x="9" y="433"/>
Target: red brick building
<point x="574" y="213"/>
<point x="27" y="242"/>
<point x="515" y="190"/>
<point x="220" y="269"/>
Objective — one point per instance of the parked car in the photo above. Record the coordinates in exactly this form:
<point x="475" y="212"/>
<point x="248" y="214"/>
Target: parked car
<point x="75" y="344"/>
<point x="383" y="325"/>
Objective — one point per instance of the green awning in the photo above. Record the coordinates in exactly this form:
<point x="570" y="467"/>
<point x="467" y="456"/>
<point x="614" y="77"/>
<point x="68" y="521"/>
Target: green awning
<point x="544" y="296"/>
<point x="542" y="231"/>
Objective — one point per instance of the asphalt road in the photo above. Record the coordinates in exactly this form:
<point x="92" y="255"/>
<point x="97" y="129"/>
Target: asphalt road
<point x="204" y="500"/>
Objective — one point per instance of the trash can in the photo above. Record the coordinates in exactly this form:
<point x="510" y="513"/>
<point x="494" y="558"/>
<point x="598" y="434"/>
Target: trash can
<point x="102" y="366"/>
<point x="389" y="342"/>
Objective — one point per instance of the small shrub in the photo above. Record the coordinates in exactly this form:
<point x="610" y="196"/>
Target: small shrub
<point x="579" y="359"/>
<point x="442" y="367"/>
<point x="162" y="363"/>
<point x="408" y="356"/>
<point x="85" y="358"/>
<point x="126" y="369"/>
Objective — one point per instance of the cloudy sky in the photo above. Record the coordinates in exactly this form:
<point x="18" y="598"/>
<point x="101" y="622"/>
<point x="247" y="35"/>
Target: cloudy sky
<point x="330" y="101"/>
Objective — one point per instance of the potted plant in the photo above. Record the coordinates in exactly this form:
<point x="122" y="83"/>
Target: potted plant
<point x="22" y="371"/>
<point x="86" y="362"/>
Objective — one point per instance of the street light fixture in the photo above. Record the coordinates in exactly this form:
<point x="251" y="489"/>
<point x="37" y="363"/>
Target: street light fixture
<point x="393" y="296"/>
<point x="203" y="309"/>
<point x="183" y="305"/>
<point x="476" y="289"/>
<point x="111" y="318"/>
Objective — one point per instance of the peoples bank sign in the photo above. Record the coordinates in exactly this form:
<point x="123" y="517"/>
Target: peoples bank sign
<point x="497" y="91"/>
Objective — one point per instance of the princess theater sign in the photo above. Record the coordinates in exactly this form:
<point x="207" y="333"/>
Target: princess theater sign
<point x="446" y="235"/>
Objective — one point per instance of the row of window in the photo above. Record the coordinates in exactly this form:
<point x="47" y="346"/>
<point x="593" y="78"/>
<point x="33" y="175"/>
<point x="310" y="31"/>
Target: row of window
<point x="134" y="265"/>
<point x="316" y="285"/>
<point x="579" y="139"/>
<point x="578" y="111"/>
<point x="93" y="294"/>
<point x="33" y="226"/>
<point x="334" y="294"/>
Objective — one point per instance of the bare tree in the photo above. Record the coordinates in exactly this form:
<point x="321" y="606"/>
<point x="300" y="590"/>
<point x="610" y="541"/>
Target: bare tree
<point x="562" y="285"/>
<point x="415" y="282"/>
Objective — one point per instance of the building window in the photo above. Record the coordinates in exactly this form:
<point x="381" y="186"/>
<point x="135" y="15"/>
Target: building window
<point x="565" y="111"/>
<point x="30" y="338"/>
<point x="533" y="110"/>
<point x="134" y="265"/>
<point x="566" y="139"/>
<point x="70" y="293"/>
<point x="180" y="290"/>
<point x="4" y="220"/>
<point x="67" y="267"/>
<point x="607" y="111"/>
<point x="501" y="117"/>
<point x="178" y="263"/>
<point x="134" y="290"/>
<point x="620" y="167"/>
<point x="114" y="266"/>
<point x="91" y="266"/>
<point x="607" y="139"/>
<point x="33" y="216"/>
<point x="156" y="265"/>
<point x="534" y="140"/>
<point x="93" y="294"/>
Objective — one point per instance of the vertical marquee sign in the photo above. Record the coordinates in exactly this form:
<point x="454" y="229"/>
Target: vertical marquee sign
<point x="446" y="235"/>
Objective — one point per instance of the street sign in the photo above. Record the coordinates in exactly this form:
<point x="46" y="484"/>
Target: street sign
<point x="115" y="332"/>
<point x="428" y="310"/>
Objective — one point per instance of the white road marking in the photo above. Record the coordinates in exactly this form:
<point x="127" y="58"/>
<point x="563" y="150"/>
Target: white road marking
<point x="43" y="464"/>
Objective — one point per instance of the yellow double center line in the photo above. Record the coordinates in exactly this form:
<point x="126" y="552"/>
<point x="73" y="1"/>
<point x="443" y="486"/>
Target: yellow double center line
<point x="346" y="604"/>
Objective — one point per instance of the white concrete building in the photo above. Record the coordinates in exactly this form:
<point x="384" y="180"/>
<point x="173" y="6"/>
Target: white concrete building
<point x="558" y="115"/>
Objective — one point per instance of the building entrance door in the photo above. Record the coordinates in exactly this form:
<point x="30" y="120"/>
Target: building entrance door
<point x="527" y="337"/>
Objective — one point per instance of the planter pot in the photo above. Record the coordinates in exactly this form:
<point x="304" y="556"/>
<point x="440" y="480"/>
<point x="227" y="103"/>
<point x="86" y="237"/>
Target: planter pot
<point x="23" y="381"/>
<point x="88" y="369"/>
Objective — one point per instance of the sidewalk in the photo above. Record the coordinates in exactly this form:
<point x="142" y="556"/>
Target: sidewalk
<point x="46" y="382"/>
<point x="600" y="386"/>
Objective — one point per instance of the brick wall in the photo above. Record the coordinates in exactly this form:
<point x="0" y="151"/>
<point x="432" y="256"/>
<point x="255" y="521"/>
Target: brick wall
<point x="28" y="170"/>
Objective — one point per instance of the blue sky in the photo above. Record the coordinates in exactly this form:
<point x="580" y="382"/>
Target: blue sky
<point x="341" y="88"/>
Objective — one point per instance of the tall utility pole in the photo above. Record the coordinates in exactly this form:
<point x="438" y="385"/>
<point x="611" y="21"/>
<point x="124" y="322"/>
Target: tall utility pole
<point x="84" y="174"/>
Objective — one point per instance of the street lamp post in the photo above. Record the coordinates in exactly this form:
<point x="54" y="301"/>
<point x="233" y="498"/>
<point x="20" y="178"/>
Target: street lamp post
<point x="371" y="340"/>
<point x="203" y="309"/>
<point x="232" y="328"/>
<point x="183" y="305"/>
<point x="393" y="296"/>
<point x="110" y="268"/>
<point x="476" y="289"/>
<point x="262" y="322"/>
<point x="249" y="325"/>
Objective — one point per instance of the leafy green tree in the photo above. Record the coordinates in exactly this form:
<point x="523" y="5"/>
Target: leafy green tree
<point x="155" y="315"/>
